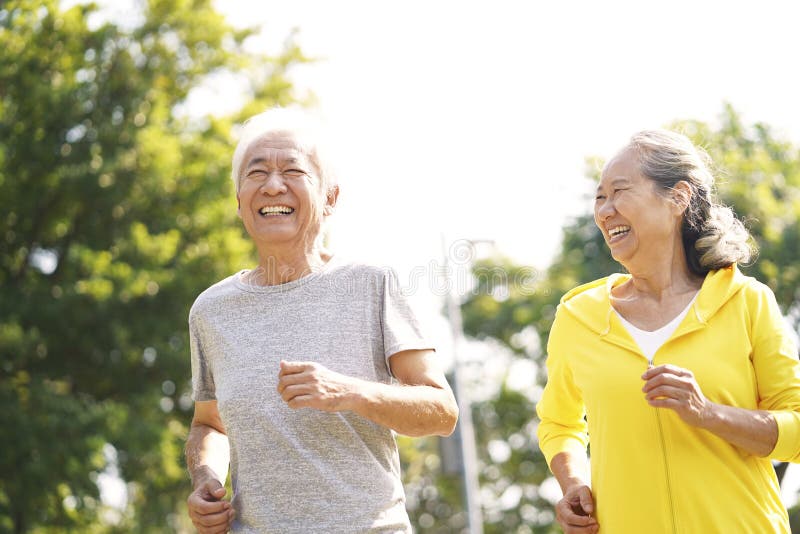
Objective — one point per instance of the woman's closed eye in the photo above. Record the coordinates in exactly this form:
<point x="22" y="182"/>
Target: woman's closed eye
<point x="614" y="191"/>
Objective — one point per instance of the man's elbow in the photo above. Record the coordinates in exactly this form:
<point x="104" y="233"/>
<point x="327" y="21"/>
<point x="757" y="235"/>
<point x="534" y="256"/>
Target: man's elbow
<point x="440" y="421"/>
<point x="449" y="418"/>
<point x="450" y="427"/>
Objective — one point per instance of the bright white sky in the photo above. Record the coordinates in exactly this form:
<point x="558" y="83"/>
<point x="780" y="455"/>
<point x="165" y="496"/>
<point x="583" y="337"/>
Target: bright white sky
<point x="473" y="119"/>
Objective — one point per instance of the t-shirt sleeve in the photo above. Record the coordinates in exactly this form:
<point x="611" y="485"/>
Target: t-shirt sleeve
<point x="400" y="326"/>
<point x="777" y="372"/>
<point x="202" y="379"/>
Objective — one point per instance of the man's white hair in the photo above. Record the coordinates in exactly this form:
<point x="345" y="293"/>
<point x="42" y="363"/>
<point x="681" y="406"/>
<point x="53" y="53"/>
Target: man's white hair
<point x="307" y="133"/>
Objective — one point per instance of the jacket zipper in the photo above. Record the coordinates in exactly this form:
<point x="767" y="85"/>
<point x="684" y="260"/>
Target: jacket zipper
<point x="666" y="464"/>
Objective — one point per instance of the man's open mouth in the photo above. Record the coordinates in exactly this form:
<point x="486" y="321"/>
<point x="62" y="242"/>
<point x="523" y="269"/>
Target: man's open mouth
<point x="275" y="210"/>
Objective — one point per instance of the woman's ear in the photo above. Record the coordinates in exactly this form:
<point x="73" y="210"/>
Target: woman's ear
<point x="682" y="195"/>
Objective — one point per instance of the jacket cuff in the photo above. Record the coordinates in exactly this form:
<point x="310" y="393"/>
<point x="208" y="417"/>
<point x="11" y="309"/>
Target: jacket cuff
<point x="569" y="444"/>
<point x="787" y="448"/>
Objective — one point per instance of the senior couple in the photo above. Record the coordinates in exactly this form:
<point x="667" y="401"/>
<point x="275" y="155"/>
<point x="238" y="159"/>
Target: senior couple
<point x="681" y="370"/>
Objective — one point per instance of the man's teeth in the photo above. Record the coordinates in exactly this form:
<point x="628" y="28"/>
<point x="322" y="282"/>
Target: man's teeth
<point x="274" y="210"/>
<point x="617" y="230"/>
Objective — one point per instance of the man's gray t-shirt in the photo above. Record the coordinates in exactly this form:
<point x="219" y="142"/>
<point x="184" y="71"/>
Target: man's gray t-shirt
<point x="304" y="470"/>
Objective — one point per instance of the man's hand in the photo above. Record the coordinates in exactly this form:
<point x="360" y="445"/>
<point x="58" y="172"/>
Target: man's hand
<point x="311" y="385"/>
<point x="421" y="404"/>
<point x="574" y="511"/>
<point x="209" y="513"/>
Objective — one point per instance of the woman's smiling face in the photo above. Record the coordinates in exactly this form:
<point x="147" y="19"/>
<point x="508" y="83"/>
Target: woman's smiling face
<point x="637" y="220"/>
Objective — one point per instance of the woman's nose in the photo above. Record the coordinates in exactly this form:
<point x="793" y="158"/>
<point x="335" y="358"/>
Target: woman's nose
<point x="605" y="209"/>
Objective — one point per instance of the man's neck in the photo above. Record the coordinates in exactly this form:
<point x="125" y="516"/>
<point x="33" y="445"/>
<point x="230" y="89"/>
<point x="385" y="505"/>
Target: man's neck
<point x="275" y="268"/>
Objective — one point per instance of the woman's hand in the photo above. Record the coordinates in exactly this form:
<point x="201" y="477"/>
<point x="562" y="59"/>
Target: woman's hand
<point x="574" y="511"/>
<point x="668" y="386"/>
<point x="675" y="388"/>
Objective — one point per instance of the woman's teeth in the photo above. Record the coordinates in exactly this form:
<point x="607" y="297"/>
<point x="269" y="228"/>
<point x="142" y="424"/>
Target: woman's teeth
<point x="618" y="230"/>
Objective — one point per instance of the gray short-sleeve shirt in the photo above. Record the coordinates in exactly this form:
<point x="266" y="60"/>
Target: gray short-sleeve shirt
<point x="304" y="470"/>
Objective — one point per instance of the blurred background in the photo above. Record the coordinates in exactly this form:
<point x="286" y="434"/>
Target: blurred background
<point x="467" y="137"/>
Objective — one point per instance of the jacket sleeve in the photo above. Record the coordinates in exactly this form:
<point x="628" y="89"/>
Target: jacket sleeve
<point x="561" y="409"/>
<point x="777" y="371"/>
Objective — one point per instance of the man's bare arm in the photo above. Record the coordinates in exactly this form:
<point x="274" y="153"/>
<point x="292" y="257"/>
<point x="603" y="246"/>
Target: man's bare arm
<point x="422" y="404"/>
<point x="207" y="457"/>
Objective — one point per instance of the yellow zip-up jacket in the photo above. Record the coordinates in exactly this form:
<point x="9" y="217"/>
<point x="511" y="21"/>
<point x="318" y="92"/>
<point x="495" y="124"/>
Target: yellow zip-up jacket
<point x="651" y="472"/>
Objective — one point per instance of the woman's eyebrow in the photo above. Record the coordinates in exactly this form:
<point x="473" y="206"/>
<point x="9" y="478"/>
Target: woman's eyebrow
<point x="614" y="181"/>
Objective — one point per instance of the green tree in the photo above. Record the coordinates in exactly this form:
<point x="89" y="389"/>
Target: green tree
<point x="433" y="493"/>
<point x="115" y="211"/>
<point x="759" y="175"/>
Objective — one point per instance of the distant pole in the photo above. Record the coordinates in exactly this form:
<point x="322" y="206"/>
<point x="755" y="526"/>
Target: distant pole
<point x="464" y="430"/>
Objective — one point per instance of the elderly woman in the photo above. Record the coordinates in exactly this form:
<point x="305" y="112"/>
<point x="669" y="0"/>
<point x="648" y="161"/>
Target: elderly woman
<point x="682" y="372"/>
<point x="303" y="367"/>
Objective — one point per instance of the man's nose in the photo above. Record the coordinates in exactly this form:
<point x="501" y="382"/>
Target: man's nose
<point x="273" y="184"/>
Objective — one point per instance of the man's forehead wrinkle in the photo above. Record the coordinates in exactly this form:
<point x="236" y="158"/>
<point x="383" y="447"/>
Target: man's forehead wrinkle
<point x="279" y="141"/>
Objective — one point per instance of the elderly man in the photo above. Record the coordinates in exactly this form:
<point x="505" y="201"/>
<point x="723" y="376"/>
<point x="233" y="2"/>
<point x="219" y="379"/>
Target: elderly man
<point x="303" y="367"/>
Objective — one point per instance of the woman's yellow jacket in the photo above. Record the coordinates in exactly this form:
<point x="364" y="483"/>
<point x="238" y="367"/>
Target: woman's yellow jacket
<point x="651" y="472"/>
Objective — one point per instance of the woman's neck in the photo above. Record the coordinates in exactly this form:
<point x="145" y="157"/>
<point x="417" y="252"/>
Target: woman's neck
<point x="661" y="284"/>
<point x="663" y="277"/>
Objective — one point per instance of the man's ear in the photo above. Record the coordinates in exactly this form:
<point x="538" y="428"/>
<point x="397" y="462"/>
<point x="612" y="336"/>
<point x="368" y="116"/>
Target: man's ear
<point x="238" y="206"/>
<point x="330" y="200"/>
<point x="682" y="195"/>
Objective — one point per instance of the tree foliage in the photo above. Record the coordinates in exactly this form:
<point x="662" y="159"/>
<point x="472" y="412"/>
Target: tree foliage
<point x="758" y="174"/>
<point x="115" y="211"/>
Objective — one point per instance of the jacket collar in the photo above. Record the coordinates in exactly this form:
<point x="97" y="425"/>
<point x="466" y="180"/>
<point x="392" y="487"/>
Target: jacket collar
<point x="590" y="304"/>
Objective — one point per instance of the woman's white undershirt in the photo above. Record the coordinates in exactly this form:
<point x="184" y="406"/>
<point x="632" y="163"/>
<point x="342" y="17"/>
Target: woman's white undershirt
<point x="650" y="342"/>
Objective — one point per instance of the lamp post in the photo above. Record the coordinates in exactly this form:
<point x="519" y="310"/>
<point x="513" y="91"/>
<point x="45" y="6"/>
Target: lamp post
<point x="463" y="442"/>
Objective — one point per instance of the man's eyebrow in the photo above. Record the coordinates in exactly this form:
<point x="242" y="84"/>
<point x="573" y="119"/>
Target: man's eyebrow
<point x="256" y="161"/>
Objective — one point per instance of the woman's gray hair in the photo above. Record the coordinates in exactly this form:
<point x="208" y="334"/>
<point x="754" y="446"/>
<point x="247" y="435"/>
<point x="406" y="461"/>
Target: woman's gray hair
<point x="307" y="132"/>
<point x="713" y="237"/>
